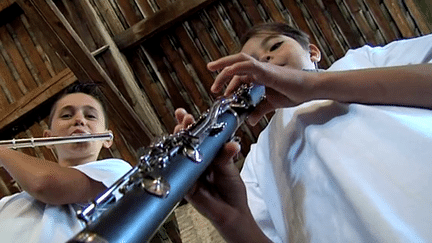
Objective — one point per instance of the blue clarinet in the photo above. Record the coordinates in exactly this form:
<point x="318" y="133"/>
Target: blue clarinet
<point x="165" y="172"/>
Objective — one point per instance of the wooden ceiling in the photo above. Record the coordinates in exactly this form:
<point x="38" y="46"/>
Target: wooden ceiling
<point x="151" y="55"/>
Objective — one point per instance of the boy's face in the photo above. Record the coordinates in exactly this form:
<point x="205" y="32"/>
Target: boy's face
<point x="281" y="50"/>
<point x="76" y="114"/>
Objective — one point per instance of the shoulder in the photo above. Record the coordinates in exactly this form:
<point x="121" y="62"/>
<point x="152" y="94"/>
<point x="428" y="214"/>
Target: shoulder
<point x="106" y="171"/>
<point x="396" y="53"/>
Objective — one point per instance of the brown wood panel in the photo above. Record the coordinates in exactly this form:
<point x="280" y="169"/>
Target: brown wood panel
<point x="129" y="11"/>
<point x="156" y="95"/>
<point x="381" y="21"/>
<point x="156" y="23"/>
<point x="300" y="20"/>
<point x="49" y="55"/>
<point x="145" y="8"/>
<point x="185" y="78"/>
<point x="335" y="14"/>
<point x="157" y="56"/>
<point x="205" y="39"/>
<point x="108" y="16"/>
<point x="399" y="17"/>
<point x="29" y="47"/>
<point x="272" y="10"/>
<point x="3" y="95"/>
<point x="418" y="17"/>
<point x="16" y="62"/>
<point x="217" y="22"/>
<point x="161" y="3"/>
<point x="325" y="27"/>
<point x="5" y="4"/>
<point x="36" y="97"/>
<point x="10" y="88"/>
<point x="252" y="11"/>
<point x="357" y="14"/>
<point x="235" y="18"/>
<point x="194" y="57"/>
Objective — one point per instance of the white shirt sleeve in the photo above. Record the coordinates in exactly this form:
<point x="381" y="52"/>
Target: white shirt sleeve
<point x="402" y="52"/>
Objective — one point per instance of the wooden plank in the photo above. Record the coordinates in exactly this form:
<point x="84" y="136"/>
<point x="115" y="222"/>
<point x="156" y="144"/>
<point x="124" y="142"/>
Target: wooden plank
<point x="36" y="97"/>
<point x="352" y="37"/>
<point x="157" y="56"/>
<point x="300" y="20"/>
<point x="212" y="16"/>
<point x="118" y="69"/>
<point x="235" y="18"/>
<point x="152" y="89"/>
<point x="206" y="39"/>
<point x="16" y="62"/>
<point x="10" y="88"/>
<point x="158" y="22"/>
<point x="145" y="8"/>
<point x="50" y="57"/>
<point x="184" y="77"/>
<point x="85" y="67"/>
<point x="4" y="4"/>
<point x="365" y="28"/>
<point x="273" y="11"/>
<point x="29" y="47"/>
<point x="195" y="59"/>
<point x="251" y="9"/>
<point x="418" y="17"/>
<point x="325" y="27"/>
<point x="399" y="18"/>
<point x="129" y="12"/>
<point x="382" y="23"/>
<point x="108" y="16"/>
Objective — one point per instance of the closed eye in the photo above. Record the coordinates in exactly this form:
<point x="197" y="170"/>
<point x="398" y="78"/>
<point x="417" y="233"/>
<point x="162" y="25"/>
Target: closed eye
<point x="66" y="116"/>
<point x="276" y="45"/>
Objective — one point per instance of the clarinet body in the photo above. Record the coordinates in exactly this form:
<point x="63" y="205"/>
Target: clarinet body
<point x="165" y="172"/>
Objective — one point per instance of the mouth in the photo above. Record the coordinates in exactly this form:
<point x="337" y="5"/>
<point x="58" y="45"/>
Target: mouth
<point x="79" y="132"/>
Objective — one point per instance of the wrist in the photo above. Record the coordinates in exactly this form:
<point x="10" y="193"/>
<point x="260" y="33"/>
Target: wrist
<point x="242" y="229"/>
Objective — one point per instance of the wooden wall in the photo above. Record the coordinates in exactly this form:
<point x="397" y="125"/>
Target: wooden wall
<point x="151" y="55"/>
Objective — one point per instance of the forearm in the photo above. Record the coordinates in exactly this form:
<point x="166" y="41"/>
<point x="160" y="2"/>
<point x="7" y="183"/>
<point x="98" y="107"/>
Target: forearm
<point x="47" y="181"/>
<point x="405" y="85"/>
<point x="28" y="171"/>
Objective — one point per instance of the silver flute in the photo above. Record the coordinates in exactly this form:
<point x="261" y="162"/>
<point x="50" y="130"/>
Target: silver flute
<point x="46" y="141"/>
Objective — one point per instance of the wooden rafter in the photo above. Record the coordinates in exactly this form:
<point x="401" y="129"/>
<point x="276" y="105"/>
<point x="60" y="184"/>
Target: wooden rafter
<point x="163" y="19"/>
<point x="36" y="97"/>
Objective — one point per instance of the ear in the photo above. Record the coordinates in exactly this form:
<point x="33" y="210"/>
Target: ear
<point x="107" y="143"/>
<point x="47" y="133"/>
<point x="315" y="53"/>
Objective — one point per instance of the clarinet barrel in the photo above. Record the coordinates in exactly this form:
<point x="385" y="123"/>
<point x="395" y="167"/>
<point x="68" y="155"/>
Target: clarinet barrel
<point x="165" y="173"/>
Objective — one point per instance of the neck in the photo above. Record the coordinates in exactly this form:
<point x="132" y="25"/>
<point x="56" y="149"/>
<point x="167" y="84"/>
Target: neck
<point x="67" y="162"/>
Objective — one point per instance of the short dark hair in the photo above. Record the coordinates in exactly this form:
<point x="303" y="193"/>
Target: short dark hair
<point x="89" y="88"/>
<point x="278" y="28"/>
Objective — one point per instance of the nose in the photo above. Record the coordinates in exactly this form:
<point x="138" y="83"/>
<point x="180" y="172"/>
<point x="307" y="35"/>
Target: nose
<point x="79" y="120"/>
<point x="266" y="58"/>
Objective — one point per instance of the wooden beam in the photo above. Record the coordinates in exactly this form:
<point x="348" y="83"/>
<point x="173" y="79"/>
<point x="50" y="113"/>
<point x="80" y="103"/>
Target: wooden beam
<point x="5" y="4"/>
<point x="36" y="97"/>
<point x="161" y="20"/>
<point x="67" y="43"/>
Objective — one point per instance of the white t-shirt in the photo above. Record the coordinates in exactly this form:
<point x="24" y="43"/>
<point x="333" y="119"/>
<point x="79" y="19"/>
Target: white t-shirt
<point x="331" y="172"/>
<point x="25" y="219"/>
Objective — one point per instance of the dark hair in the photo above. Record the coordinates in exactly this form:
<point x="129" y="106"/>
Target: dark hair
<point x="92" y="89"/>
<point x="278" y="28"/>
